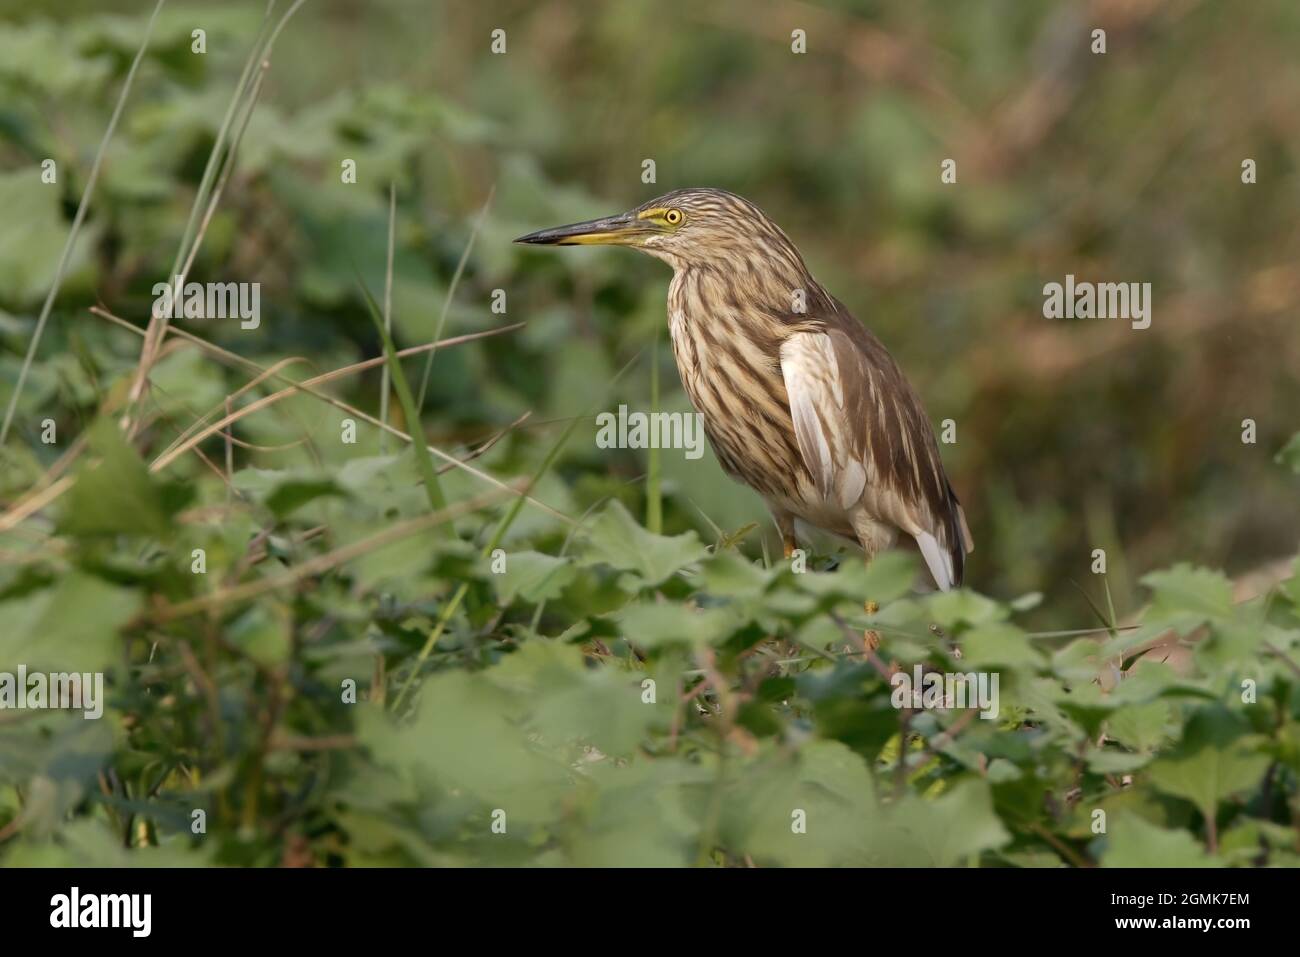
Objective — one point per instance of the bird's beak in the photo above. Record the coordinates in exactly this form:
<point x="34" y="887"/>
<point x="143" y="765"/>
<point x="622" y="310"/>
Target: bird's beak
<point x="625" y="229"/>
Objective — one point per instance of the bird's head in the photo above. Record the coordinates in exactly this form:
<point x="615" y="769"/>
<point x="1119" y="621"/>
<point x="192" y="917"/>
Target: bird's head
<point x="685" y="227"/>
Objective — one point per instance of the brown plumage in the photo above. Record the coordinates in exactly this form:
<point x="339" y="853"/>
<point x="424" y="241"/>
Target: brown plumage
<point x="799" y="400"/>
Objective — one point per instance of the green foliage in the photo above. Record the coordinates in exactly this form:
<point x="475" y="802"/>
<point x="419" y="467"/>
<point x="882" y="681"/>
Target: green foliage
<point x="640" y="700"/>
<point x="28" y="257"/>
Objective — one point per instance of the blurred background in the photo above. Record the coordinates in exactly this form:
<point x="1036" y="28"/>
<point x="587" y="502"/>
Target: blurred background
<point x="1071" y="435"/>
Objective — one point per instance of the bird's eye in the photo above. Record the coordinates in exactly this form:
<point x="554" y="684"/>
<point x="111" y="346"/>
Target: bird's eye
<point x="673" y="217"/>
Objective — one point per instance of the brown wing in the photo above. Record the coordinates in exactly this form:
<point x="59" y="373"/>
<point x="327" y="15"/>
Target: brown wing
<point x="863" y="433"/>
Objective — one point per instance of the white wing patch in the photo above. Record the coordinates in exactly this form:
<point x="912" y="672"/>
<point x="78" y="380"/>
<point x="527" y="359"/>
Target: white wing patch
<point x="812" y="382"/>
<point x="852" y="483"/>
<point x="818" y="393"/>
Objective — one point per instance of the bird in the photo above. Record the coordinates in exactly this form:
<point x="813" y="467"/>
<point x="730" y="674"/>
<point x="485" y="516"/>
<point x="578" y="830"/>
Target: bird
<point x="799" y="400"/>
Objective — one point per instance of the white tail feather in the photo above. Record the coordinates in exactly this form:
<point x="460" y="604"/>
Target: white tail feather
<point x="937" y="560"/>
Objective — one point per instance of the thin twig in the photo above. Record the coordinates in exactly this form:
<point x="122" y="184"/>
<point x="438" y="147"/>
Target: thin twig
<point x="324" y="562"/>
<point x="307" y="388"/>
<point x="158" y="324"/>
<point x="451" y="291"/>
<point x="77" y="220"/>
<point x="170" y="456"/>
<point x="388" y="317"/>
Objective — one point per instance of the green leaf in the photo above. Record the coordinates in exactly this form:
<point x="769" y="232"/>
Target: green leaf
<point x="1210" y="775"/>
<point x="185" y="381"/>
<point x="1134" y="842"/>
<point x="115" y="494"/>
<point x="999" y="644"/>
<point x="730" y="575"/>
<point x="813" y="810"/>
<point x="89" y="843"/>
<point x="29" y="256"/>
<point x="55" y="756"/>
<point x="650" y="625"/>
<point x="569" y="703"/>
<point x="639" y="815"/>
<point x="363" y="474"/>
<point x="533" y="577"/>
<point x="286" y="491"/>
<point x="1233" y="642"/>
<point x="944" y="831"/>
<point x="1289" y="455"/>
<point x="615" y="539"/>
<point x="69" y="627"/>
<point x="263" y="633"/>
<point x="1142" y="726"/>
<point x="464" y="737"/>
<point x="888" y="577"/>
<point x="955" y="609"/>
<point x="1291" y="587"/>
<point x="1188" y="596"/>
<point x="1026" y="602"/>
<point x="1114" y="761"/>
<point x="291" y="495"/>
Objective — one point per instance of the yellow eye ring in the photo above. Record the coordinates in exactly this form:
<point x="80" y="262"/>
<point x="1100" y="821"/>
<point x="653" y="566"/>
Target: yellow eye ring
<point x="673" y="217"/>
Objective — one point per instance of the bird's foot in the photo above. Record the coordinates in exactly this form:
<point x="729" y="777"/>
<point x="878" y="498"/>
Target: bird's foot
<point x="790" y="545"/>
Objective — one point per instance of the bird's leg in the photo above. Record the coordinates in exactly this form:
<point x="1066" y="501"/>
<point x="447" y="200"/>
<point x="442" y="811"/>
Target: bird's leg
<point x="785" y="525"/>
<point x="873" y="537"/>
<point x="870" y="637"/>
